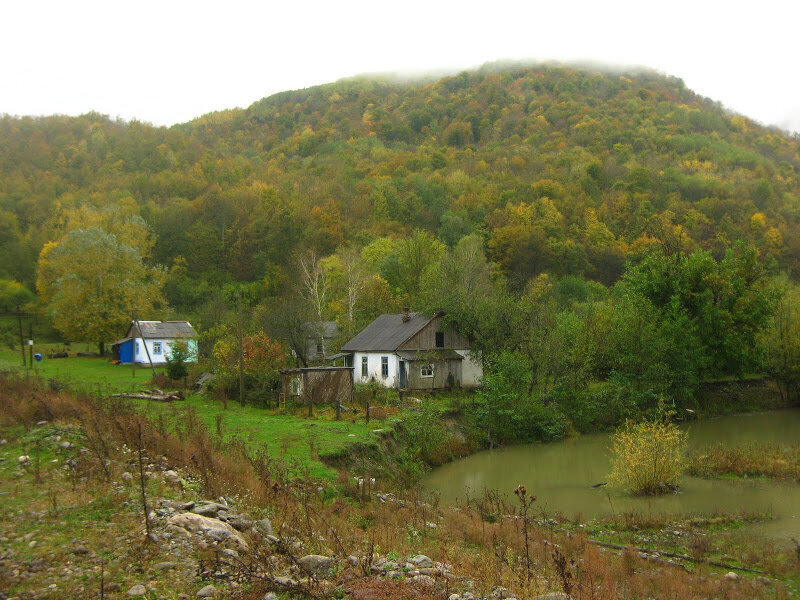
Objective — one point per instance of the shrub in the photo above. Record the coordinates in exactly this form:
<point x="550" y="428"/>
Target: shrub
<point x="176" y="361"/>
<point x="648" y="456"/>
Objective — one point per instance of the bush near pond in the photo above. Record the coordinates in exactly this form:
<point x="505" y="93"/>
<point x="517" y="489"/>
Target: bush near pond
<point x="649" y="456"/>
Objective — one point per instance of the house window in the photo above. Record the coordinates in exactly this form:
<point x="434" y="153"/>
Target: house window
<point x="319" y="348"/>
<point x="364" y="369"/>
<point x="440" y="339"/>
<point x="156" y="347"/>
<point x="384" y="367"/>
<point x="136" y="351"/>
<point x="426" y="371"/>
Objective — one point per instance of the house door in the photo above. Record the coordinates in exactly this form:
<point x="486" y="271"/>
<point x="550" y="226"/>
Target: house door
<point x="402" y="374"/>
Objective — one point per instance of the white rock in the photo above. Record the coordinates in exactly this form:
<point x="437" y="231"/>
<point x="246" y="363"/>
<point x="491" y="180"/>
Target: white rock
<point x="137" y="590"/>
<point x="189" y="523"/>
<point x="315" y="564"/>
<point x="207" y="592"/>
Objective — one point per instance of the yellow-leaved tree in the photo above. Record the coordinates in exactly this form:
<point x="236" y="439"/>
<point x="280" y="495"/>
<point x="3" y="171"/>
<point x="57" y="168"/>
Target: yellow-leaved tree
<point x="649" y="456"/>
<point x="94" y="277"/>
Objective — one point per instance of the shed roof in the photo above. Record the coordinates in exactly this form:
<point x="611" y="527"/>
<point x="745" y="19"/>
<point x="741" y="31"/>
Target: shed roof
<point x="163" y="329"/>
<point x="386" y="333"/>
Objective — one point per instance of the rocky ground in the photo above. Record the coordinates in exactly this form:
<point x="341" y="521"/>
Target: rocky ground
<point x="73" y="526"/>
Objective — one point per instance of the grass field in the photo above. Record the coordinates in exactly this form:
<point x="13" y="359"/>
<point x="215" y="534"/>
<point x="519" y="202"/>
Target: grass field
<point x="286" y="434"/>
<point x="81" y="373"/>
<point x="295" y="439"/>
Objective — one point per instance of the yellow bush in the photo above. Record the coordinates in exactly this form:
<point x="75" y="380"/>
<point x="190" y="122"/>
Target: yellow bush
<point x="648" y="457"/>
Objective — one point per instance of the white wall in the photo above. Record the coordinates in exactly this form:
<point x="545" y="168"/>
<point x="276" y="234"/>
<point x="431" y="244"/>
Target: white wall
<point x="140" y="355"/>
<point x="471" y="369"/>
<point x="374" y="368"/>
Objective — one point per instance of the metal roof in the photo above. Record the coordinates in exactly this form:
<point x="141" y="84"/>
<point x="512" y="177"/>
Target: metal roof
<point x="163" y="329"/>
<point x="386" y="333"/>
<point x="422" y="355"/>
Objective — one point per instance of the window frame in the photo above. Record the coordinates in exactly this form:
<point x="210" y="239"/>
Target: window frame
<point x="157" y="348"/>
<point x="427" y="371"/>
<point x="385" y="367"/>
<point x="364" y="366"/>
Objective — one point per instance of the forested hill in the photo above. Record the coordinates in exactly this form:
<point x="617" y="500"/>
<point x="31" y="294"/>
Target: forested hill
<point x="559" y="169"/>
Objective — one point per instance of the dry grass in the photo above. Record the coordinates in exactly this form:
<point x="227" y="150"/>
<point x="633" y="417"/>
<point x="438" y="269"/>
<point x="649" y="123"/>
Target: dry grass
<point x="754" y="460"/>
<point x="488" y="542"/>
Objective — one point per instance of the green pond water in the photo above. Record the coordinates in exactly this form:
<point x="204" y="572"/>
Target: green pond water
<point x="561" y="475"/>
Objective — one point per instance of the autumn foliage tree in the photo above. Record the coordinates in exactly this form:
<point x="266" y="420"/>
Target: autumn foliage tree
<point x="262" y="359"/>
<point x="94" y="278"/>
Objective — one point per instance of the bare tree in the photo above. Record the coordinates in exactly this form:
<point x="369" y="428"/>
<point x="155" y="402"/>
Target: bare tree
<point x="356" y="278"/>
<point x="314" y="289"/>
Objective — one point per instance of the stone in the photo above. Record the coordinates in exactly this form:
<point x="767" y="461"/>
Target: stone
<point x="731" y="576"/>
<point x="66" y="446"/>
<point x="553" y="596"/>
<point x="285" y="581"/>
<point x="24" y="459"/>
<point x="270" y="596"/>
<point x="206" y="510"/>
<point x="316" y="564"/>
<point x="240" y="524"/>
<point x="126" y="477"/>
<point x="421" y="561"/>
<point x="164" y="566"/>
<point x="137" y="590"/>
<point x="264" y="526"/>
<point x="424" y="580"/>
<point x="208" y="591"/>
<point x="172" y="477"/>
<point x="192" y="523"/>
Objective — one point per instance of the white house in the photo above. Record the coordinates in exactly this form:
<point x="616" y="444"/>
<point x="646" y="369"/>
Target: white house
<point x="412" y="351"/>
<point x="152" y="342"/>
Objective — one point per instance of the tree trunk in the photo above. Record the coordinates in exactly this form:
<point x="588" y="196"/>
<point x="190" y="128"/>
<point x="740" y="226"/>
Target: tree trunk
<point x="101" y="348"/>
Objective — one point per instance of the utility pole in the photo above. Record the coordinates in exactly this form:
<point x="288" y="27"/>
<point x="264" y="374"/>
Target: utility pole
<point x="241" y="351"/>
<point x="133" y="347"/>
<point x="21" y="338"/>
<point x="147" y="351"/>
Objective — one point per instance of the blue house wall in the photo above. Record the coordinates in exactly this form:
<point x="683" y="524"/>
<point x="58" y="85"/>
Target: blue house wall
<point x="126" y="352"/>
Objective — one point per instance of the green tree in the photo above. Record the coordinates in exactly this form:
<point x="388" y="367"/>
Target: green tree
<point x="91" y="284"/>
<point x="176" y="361"/>
<point x="781" y="344"/>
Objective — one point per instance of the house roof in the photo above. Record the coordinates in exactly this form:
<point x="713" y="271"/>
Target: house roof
<point x="429" y="355"/>
<point x="386" y="333"/>
<point x="163" y="329"/>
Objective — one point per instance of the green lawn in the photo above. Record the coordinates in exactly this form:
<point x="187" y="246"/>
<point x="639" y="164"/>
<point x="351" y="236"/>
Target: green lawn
<point x="90" y="374"/>
<point x="294" y="438"/>
<point x="291" y="437"/>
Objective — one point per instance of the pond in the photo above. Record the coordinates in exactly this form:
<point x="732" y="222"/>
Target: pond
<point x="561" y="475"/>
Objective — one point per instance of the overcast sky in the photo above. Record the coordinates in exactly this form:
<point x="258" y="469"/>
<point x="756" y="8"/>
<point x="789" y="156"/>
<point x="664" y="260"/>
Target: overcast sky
<point x="169" y="61"/>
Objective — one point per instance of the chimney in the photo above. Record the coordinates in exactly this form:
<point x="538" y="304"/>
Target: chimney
<point x="406" y="316"/>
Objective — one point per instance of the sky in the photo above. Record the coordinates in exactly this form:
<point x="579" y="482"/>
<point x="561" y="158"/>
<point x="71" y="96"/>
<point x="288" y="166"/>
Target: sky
<point x="170" y="61"/>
